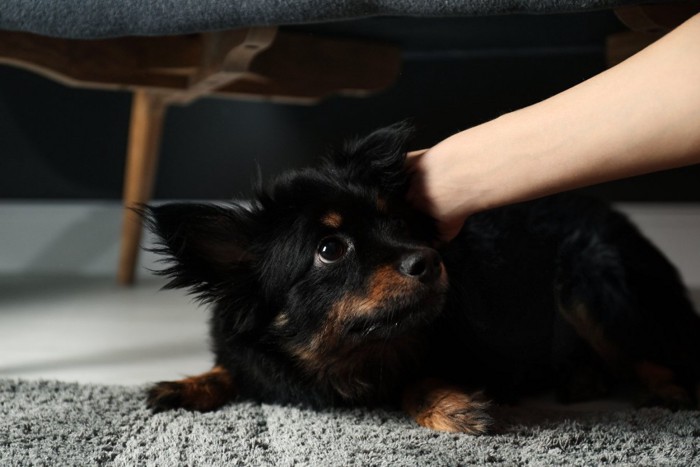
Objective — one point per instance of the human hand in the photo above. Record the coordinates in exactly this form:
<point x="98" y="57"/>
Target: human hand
<point x="638" y="117"/>
<point x="432" y="192"/>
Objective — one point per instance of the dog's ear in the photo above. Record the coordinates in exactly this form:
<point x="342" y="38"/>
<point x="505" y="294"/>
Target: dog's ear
<point x="204" y="244"/>
<point x="377" y="159"/>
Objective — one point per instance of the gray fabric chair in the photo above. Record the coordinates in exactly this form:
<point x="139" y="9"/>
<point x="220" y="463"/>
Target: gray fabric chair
<point x="109" y="18"/>
<point x="174" y="51"/>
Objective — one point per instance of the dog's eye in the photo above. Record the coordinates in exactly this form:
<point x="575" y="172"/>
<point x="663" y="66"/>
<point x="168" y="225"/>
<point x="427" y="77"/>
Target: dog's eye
<point x="331" y="249"/>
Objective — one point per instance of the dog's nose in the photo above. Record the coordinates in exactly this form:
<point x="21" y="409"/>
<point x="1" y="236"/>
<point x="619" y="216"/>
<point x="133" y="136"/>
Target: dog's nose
<point x="422" y="264"/>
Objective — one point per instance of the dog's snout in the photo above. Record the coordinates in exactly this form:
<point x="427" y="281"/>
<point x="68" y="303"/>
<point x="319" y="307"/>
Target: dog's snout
<point x="423" y="264"/>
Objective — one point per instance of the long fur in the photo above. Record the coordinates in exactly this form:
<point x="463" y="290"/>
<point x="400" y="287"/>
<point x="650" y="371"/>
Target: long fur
<point x="524" y="299"/>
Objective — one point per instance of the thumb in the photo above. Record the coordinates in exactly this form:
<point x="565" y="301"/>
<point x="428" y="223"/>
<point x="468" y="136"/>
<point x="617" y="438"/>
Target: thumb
<point x="447" y="231"/>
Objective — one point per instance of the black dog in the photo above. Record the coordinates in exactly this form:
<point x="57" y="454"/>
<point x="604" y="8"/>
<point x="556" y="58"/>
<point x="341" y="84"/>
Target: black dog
<point x="326" y="291"/>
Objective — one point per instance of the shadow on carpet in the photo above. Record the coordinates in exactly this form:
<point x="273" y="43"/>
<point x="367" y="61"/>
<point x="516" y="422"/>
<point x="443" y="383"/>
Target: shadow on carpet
<point x="54" y="423"/>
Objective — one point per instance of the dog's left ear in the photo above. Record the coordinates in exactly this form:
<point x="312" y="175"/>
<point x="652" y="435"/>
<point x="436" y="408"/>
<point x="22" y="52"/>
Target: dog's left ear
<point x="204" y="244"/>
<point x="377" y="159"/>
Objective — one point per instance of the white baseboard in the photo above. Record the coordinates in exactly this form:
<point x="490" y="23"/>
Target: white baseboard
<point x="675" y="229"/>
<point x="77" y="238"/>
<point x="72" y="238"/>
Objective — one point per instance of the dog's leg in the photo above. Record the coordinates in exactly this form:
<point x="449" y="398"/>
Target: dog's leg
<point x="202" y="393"/>
<point x="440" y="406"/>
<point x="623" y="298"/>
<point x="662" y="386"/>
<point x="583" y="377"/>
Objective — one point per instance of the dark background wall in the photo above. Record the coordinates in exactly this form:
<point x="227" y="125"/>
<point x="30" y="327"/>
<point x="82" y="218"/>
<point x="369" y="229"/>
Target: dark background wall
<point x="63" y="143"/>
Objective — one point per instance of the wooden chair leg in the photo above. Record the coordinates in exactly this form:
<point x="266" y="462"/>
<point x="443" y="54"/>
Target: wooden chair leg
<point x="147" y="115"/>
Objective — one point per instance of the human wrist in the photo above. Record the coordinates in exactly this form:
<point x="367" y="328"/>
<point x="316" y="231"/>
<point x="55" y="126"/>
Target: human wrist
<point x="486" y="166"/>
<point x="451" y="175"/>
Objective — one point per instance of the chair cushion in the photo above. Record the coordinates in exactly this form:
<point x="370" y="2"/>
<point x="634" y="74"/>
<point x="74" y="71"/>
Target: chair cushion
<point x="111" y="18"/>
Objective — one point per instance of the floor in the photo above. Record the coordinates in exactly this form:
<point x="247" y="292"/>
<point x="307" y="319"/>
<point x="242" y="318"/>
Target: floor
<point x="62" y="316"/>
<point x="89" y="329"/>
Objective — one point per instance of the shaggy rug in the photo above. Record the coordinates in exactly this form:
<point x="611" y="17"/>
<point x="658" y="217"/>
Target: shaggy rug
<point x="55" y="423"/>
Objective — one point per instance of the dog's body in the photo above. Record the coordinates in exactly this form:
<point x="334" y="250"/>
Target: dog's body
<point x="327" y="292"/>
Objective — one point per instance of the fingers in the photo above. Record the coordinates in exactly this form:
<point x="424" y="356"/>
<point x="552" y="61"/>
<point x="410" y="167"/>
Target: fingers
<point x="411" y="155"/>
<point x="412" y="159"/>
<point x="449" y="230"/>
<point x="419" y="196"/>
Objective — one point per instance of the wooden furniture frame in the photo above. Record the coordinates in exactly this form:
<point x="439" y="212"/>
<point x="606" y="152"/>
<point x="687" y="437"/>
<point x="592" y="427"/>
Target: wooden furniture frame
<point x="252" y="63"/>
<point x="647" y="24"/>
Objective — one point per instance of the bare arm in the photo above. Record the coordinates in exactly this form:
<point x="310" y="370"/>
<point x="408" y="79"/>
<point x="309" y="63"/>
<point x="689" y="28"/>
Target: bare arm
<point x="640" y="116"/>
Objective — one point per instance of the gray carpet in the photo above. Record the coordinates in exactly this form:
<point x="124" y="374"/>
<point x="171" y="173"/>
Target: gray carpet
<point x="53" y="423"/>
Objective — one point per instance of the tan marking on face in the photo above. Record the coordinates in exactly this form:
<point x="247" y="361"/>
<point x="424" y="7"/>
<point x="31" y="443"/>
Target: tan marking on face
<point x="382" y="205"/>
<point x="385" y="284"/>
<point x="439" y="406"/>
<point x="332" y="219"/>
<point x="347" y="365"/>
<point x="311" y="354"/>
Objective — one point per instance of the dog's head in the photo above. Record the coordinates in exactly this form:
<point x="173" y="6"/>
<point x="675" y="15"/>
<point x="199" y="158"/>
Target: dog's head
<point x="323" y="260"/>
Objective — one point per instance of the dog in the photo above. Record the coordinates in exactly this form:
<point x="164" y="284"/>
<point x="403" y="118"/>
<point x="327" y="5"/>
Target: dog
<point x="328" y="290"/>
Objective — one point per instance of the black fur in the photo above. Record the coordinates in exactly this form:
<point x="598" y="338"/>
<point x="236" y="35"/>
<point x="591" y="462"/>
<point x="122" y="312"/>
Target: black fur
<point x="289" y="328"/>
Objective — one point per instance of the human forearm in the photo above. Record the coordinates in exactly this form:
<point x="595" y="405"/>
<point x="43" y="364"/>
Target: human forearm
<point x="640" y="116"/>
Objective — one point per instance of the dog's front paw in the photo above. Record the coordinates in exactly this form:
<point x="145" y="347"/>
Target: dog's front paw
<point x="202" y="393"/>
<point x="670" y="396"/>
<point x="439" y="406"/>
<point x="166" y="395"/>
<point x="663" y="387"/>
